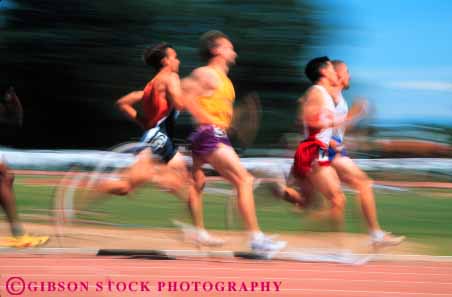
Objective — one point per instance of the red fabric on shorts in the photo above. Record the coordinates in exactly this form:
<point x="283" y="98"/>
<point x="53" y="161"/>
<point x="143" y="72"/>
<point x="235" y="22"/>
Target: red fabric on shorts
<point x="306" y="154"/>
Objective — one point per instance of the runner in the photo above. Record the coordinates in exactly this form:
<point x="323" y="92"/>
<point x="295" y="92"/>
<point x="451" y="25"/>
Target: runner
<point x="11" y="114"/>
<point x="349" y="173"/>
<point x="210" y="86"/>
<point x="311" y="166"/>
<point x="161" y="103"/>
<point x="346" y="169"/>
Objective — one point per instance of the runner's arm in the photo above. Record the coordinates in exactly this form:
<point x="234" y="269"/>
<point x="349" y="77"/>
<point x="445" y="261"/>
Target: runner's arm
<point x="125" y="105"/>
<point x="358" y="110"/>
<point x="336" y="146"/>
<point x="314" y="112"/>
<point x="316" y="115"/>
<point x="175" y="91"/>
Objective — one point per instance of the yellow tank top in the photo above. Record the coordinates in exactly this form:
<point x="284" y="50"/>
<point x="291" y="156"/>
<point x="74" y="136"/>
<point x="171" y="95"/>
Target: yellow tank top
<point x="220" y="104"/>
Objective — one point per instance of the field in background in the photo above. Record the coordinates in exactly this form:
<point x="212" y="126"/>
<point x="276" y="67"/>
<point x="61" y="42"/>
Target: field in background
<point x="423" y="215"/>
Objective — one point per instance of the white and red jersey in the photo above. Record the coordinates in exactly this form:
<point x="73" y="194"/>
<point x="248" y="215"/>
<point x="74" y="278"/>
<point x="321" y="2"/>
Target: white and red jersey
<point x="323" y="135"/>
<point x="314" y="149"/>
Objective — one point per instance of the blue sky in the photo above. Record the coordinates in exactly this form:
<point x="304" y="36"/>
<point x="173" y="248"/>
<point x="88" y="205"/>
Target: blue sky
<point x="399" y="54"/>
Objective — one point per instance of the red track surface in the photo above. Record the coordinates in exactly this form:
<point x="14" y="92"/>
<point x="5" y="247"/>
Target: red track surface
<point x="297" y="279"/>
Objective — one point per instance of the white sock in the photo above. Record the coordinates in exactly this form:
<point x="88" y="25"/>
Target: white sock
<point x="377" y="234"/>
<point x="257" y="235"/>
<point x="202" y="232"/>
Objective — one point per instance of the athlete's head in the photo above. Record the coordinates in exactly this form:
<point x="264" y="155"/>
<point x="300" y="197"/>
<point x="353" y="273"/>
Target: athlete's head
<point x="321" y="67"/>
<point x="161" y="55"/>
<point x="343" y="75"/>
<point x="215" y="43"/>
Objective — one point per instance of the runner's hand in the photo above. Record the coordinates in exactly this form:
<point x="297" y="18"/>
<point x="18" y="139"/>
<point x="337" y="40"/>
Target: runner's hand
<point x="358" y="110"/>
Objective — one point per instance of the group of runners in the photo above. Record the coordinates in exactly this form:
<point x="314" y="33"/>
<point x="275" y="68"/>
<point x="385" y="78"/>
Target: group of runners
<point x="320" y="162"/>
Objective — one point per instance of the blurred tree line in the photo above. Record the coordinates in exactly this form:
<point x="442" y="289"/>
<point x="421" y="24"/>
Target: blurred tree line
<point x="71" y="60"/>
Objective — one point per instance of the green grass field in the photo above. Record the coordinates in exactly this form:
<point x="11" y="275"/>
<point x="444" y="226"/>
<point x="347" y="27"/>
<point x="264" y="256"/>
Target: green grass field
<point x="424" y="216"/>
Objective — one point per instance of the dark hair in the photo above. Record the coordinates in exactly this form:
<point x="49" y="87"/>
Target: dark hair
<point x="154" y="54"/>
<point x="207" y="42"/>
<point x="313" y="67"/>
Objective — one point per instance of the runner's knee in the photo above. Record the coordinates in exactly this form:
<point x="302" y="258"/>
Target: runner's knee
<point x="124" y="189"/>
<point x="368" y="182"/>
<point x="3" y="169"/>
<point x="199" y="180"/>
<point x="6" y="175"/>
<point x="362" y="182"/>
<point x="245" y="180"/>
<point x="200" y="183"/>
<point x="338" y="201"/>
<point x="357" y="180"/>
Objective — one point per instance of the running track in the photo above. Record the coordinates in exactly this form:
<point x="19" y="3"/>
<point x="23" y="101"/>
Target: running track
<point x="379" y="279"/>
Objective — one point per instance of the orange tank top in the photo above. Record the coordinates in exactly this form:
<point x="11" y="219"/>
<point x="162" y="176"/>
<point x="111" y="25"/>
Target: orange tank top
<point x="155" y="106"/>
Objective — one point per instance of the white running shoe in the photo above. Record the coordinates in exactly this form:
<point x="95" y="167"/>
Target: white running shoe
<point x="381" y="239"/>
<point x="198" y="236"/>
<point x="204" y="238"/>
<point x="263" y="243"/>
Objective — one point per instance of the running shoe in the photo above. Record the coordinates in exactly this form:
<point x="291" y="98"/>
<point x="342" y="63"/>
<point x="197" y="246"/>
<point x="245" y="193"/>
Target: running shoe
<point x="24" y="241"/>
<point x="382" y="239"/>
<point x="264" y="243"/>
<point x="198" y="236"/>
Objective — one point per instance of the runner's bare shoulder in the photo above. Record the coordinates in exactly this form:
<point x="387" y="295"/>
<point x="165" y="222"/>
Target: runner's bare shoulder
<point x="172" y="77"/>
<point x="206" y="76"/>
<point x="312" y="94"/>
